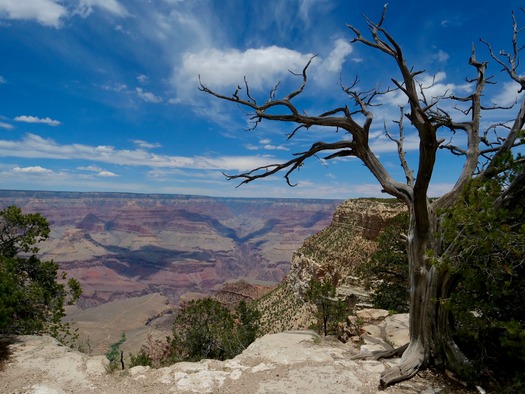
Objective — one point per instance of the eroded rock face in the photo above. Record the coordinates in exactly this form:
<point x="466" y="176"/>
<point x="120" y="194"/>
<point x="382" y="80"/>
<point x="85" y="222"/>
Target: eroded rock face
<point x="335" y="252"/>
<point x="367" y="216"/>
<point x="348" y="242"/>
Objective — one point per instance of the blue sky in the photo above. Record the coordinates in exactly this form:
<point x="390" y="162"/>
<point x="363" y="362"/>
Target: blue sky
<point x="101" y="95"/>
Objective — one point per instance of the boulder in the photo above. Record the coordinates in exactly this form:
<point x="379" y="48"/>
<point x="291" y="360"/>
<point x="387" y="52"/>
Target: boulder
<point x="371" y="315"/>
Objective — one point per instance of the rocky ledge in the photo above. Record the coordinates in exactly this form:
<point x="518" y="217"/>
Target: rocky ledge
<point x="288" y="362"/>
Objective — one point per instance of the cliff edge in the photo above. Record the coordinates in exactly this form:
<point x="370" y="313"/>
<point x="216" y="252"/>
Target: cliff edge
<point x="288" y="362"/>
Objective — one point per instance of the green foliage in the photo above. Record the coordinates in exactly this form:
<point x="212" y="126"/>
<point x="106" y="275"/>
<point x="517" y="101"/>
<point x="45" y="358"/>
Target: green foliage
<point x="206" y="329"/>
<point x="387" y="269"/>
<point x="247" y="323"/>
<point x="114" y="354"/>
<point x="31" y="298"/>
<point x="330" y="310"/>
<point x="141" y="358"/>
<point x="486" y="252"/>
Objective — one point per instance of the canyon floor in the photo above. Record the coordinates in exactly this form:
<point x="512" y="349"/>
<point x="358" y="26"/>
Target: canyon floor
<point x="288" y="362"/>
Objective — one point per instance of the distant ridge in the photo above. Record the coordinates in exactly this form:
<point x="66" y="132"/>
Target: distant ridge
<point x="154" y="196"/>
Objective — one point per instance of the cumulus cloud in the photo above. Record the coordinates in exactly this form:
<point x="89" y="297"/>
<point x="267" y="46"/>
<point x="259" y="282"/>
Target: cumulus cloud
<point x="226" y="68"/>
<point x="105" y="173"/>
<point x="34" y="119"/>
<point x="45" y="12"/>
<point x="99" y="171"/>
<point x="274" y="147"/>
<point x="36" y="170"/>
<point x="2" y="80"/>
<point x="148" y="96"/>
<point x="263" y="67"/>
<point x="265" y="144"/>
<point x="33" y="146"/>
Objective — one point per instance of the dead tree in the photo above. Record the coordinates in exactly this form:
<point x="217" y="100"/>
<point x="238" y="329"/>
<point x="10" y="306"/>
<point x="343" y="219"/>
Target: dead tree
<point x="431" y="341"/>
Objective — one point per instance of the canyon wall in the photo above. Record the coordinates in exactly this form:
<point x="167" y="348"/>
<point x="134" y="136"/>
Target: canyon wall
<point x="121" y="245"/>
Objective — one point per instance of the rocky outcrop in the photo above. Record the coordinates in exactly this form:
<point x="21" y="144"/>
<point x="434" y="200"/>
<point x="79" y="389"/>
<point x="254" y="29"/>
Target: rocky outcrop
<point x="337" y="252"/>
<point x="343" y="246"/>
<point x="232" y="293"/>
<point x="289" y="362"/>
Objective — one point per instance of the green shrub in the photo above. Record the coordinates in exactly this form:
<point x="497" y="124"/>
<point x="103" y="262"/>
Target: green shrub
<point x="31" y="297"/>
<point x="387" y="270"/>
<point x="488" y="261"/>
<point x="140" y="358"/>
<point x="115" y="355"/>
<point x="206" y="329"/>
<point x="330" y="310"/>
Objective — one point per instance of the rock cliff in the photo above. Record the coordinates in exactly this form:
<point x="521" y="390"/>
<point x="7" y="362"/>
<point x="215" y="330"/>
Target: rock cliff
<point x="336" y="251"/>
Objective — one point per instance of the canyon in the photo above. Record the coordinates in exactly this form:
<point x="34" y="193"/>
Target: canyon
<point x="121" y="245"/>
<point x="138" y="255"/>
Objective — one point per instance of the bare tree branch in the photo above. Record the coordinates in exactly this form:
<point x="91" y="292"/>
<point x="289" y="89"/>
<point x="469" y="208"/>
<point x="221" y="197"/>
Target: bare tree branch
<point x="346" y="148"/>
<point x="409" y="174"/>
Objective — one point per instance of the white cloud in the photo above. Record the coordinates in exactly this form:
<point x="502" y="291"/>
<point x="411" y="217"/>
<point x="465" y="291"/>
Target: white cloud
<point x="227" y="68"/>
<point x="85" y="7"/>
<point x="45" y="12"/>
<point x="148" y="96"/>
<point x="438" y="189"/>
<point x="34" y="146"/>
<point x="433" y="88"/>
<point x="508" y="95"/>
<point x="119" y="87"/>
<point x="143" y="79"/>
<point x="306" y="8"/>
<point x="334" y="61"/>
<point x="90" y="168"/>
<point x="262" y="67"/>
<point x="265" y="144"/>
<point x="36" y="170"/>
<point x="105" y="173"/>
<point x="52" y="12"/>
<point x="100" y="172"/>
<point x="441" y="56"/>
<point x="383" y="144"/>
<point x="7" y="126"/>
<point x="2" y="80"/>
<point x="274" y="147"/>
<point x="34" y="119"/>
<point x="146" y="145"/>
